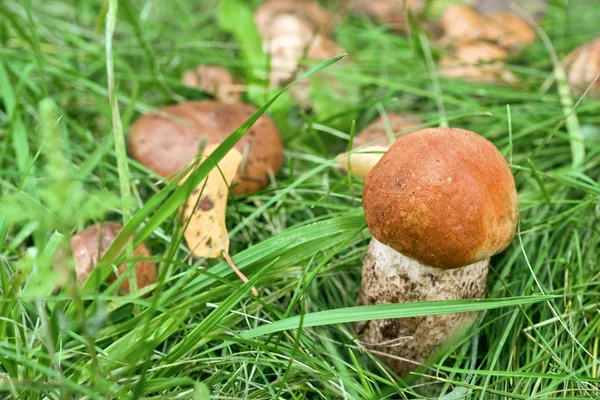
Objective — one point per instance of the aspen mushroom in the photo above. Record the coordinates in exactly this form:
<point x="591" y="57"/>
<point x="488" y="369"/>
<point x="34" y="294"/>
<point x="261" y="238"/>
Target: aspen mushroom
<point x="478" y="61"/>
<point x="373" y="141"/>
<point x="388" y="12"/>
<point x="288" y="30"/>
<point x="439" y="204"/>
<point x="535" y="8"/>
<point x="584" y="66"/>
<point x="307" y="10"/>
<point x="214" y="80"/>
<point x="460" y="22"/>
<point x="167" y="143"/>
<point x="508" y="30"/>
<point x="89" y="245"/>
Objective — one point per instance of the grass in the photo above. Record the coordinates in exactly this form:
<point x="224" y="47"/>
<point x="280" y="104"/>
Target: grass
<point x="301" y="241"/>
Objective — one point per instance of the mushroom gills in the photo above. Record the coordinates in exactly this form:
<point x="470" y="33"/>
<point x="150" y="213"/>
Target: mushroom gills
<point x="389" y="277"/>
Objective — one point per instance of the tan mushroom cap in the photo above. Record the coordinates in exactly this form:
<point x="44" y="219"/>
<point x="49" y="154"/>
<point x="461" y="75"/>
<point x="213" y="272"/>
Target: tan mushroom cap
<point x="286" y="40"/>
<point x="89" y="246"/>
<point x="442" y="196"/>
<point x="477" y="61"/>
<point x="307" y="10"/>
<point x="166" y="143"/>
<point x="288" y="31"/>
<point x="388" y="12"/>
<point x="214" y="80"/>
<point x="460" y="21"/>
<point x="584" y="66"/>
<point x="376" y="132"/>
<point x="479" y="52"/>
<point x="508" y="30"/>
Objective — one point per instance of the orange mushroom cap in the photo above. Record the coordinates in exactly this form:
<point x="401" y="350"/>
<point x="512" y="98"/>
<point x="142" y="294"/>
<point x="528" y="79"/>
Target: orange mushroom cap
<point x="442" y="196"/>
<point x="89" y="245"/>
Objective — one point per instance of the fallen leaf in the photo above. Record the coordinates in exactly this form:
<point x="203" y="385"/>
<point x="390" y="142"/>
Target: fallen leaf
<point x="206" y="233"/>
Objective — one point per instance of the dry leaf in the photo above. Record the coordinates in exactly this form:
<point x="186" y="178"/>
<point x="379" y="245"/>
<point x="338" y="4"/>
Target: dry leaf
<point x="206" y="233"/>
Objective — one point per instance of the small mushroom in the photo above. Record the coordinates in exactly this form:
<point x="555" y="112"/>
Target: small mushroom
<point x="373" y="141"/>
<point x="378" y="132"/>
<point x="321" y="49"/>
<point x="478" y="61"/>
<point x="214" y="80"/>
<point x="508" y="30"/>
<point x="439" y="204"/>
<point x="166" y="141"/>
<point x="460" y="22"/>
<point x="89" y="245"/>
<point x="388" y="12"/>
<point x="307" y="10"/>
<point x="289" y="30"/>
<point x="584" y="66"/>
<point x="535" y="8"/>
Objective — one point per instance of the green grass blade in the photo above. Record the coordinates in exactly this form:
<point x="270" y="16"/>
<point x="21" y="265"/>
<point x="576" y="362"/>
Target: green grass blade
<point x="385" y="311"/>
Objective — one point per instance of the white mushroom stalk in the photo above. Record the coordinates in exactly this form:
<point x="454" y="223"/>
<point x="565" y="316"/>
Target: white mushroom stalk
<point x="390" y="277"/>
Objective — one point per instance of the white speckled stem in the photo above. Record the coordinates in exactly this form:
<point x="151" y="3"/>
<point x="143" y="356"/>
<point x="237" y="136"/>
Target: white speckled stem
<point x="390" y="277"/>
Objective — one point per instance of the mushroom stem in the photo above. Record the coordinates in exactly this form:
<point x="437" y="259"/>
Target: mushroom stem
<point x="390" y="277"/>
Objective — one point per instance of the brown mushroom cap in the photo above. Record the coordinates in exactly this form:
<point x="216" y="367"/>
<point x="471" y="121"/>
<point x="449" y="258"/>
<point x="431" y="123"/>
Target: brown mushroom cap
<point x="461" y="22"/>
<point x="286" y="39"/>
<point x="166" y="143"/>
<point x="307" y="10"/>
<point x="388" y="12"/>
<point x="479" y="52"/>
<point x="442" y="196"/>
<point x="508" y="30"/>
<point x="376" y="131"/>
<point x="288" y="31"/>
<point x="478" y="61"/>
<point x="89" y="246"/>
<point x="214" y="80"/>
<point x="584" y="66"/>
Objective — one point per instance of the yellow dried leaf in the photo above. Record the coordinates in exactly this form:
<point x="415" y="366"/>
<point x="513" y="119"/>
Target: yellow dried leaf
<point x="361" y="161"/>
<point x="206" y="233"/>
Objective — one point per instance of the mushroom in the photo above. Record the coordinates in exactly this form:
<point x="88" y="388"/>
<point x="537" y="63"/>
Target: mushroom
<point x="584" y="66"/>
<point x="306" y="10"/>
<point x="508" y="30"/>
<point x="289" y="30"/>
<point x="166" y="141"/>
<point x="478" y="61"/>
<point x="460" y="22"/>
<point x="89" y="245"/>
<point x="388" y="12"/>
<point x="535" y="8"/>
<point x="214" y="80"/>
<point x="373" y="141"/>
<point x="439" y="204"/>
